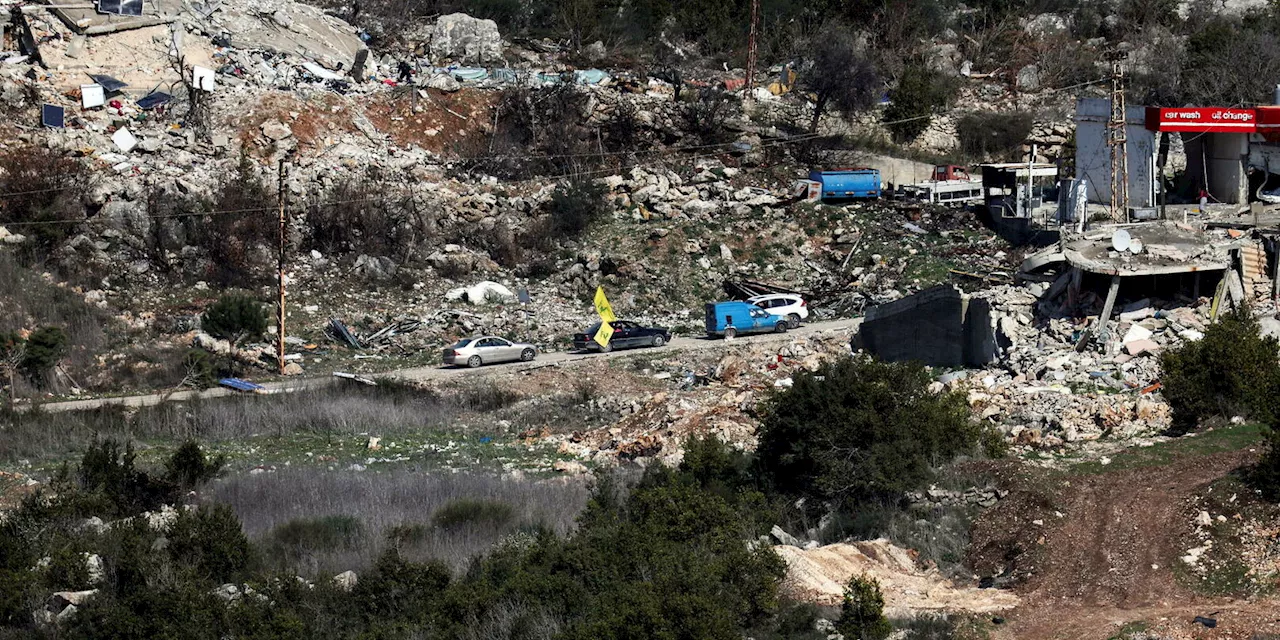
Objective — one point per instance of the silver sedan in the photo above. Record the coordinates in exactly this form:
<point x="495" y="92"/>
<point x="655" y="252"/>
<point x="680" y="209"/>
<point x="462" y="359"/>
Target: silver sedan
<point x="474" y="352"/>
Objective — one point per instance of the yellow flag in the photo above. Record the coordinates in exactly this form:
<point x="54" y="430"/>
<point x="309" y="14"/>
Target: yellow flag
<point x="603" y="308"/>
<point x="604" y="333"/>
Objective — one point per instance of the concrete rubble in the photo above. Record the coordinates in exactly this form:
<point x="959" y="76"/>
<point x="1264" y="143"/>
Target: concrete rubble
<point x="820" y="574"/>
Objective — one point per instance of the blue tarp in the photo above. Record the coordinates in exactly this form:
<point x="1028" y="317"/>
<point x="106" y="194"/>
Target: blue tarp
<point x="590" y="76"/>
<point x="242" y="385"/>
<point x="470" y="74"/>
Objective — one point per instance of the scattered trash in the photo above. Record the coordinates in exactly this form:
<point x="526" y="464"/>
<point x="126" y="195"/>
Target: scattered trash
<point x="1207" y="622"/>
<point x="355" y="378"/>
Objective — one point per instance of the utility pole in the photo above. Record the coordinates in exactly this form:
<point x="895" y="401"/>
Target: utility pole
<point x="1118" y="140"/>
<point x="751" y="52"/>
<point x="280" y="271"/>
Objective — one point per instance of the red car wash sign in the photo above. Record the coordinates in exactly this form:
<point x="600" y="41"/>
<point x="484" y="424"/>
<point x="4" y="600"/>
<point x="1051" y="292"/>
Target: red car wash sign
<point x="1202" y="119"/>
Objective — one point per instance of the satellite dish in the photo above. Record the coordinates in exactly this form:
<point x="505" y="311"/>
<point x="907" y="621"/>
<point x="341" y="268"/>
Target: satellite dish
<point x="1135" y="246"/>
<point x="1120" y="240"/>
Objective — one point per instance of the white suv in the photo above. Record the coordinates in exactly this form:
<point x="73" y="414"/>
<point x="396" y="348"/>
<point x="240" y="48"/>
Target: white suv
<point x="788" y="305"/>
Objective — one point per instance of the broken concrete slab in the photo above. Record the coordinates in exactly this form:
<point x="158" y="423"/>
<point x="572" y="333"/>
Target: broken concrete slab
<point x="290" y="27"/>
<point x="1169" y="249"/>
<point x="1140" y="347"/>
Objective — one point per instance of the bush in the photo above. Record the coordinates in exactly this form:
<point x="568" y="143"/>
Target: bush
<point x="842" y="75"/>
<point x="240" y="221"/>
<point x="1265" y="475"/>
<point x="460" y="513"/>
<point x="43" y="187"/>
<point x="993" y="136"/>
<point x="919" y="94"/>
<point x="189" y="468"/>
<point x="298" y="538"/>
<point x="210" y="542"/>
<point x="201" y="368"/>
<point x="1232" y="371"/>
<point x="575" y="205"/>
<point x="858" y="430"/>
<point x="42" y="351"/>
<point x="705" y="114"/>
<point x="107" y="476"/>
<point x="365" y="213"/>
<point x="235" y="317"/>
<point x="862" y="613"/>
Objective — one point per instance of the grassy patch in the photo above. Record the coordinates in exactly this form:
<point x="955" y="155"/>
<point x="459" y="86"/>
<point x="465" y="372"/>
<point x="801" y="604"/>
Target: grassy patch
<point x="1229" y="438"/>
<point x="1129" y="630"/>
<point x="1238" y="557"/>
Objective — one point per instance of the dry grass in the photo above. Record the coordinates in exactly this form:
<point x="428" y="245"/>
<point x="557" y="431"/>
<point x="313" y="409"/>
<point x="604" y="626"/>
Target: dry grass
<point x="387" y="410"/>
<point x="401" y="500"/>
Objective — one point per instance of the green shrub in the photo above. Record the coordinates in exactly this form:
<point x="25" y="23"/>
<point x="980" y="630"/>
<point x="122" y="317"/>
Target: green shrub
<point x="993" y="135"/>
<point x="920" y="93"/>
<point x="201" y="370"/>
<point x="460" y="513"/>
<point x="858" y="430"/>
<point x="408" y="534"/>
<point x="235" y="317"/>
<point x="189" y="468"/>
<point x="42" y="351"/>
<point x="329" y="533"/>
<point x="210" y="542"/>
<point x="575" y="205"/>
<point x="108" y="478"/>
<point x="862" y="613"/>
<point x="1232" y="371"/>
<point x="1265" y="475"/>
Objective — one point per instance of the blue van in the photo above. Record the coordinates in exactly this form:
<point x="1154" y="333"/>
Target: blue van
<point x="728" y="319"/>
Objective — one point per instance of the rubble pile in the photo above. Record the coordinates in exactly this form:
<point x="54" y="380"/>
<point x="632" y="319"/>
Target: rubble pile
<point x="820" y="575"/>
<point x="704" y="398"/>
<point x="1049" y="390"/>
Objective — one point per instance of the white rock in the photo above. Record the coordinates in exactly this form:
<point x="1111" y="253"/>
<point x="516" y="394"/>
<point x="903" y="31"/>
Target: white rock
<point x="1135" y="333"/>
<point x="346" y="580"/>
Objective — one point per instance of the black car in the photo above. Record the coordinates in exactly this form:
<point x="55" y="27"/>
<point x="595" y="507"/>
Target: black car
<point x="626" y="334"/>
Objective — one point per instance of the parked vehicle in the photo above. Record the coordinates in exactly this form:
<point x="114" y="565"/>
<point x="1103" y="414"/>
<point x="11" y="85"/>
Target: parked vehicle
<point x="729" y="319"/>
<point x="474" y="352"/>
<point x="788" y="305"/>
<point x="847" y="183"/>
<point x="950" y="184"/>
<point x="626" y="334"/>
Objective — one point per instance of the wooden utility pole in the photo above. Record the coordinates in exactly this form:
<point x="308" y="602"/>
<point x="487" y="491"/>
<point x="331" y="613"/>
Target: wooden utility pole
<point x="280" y="272"/>
<point x="1118" y="140"/>
<point x="751" y="52"/>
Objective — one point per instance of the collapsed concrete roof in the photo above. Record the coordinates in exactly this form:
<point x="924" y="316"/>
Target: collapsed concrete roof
<point x="1163" y="248"/>
<point x="278" y="26"/>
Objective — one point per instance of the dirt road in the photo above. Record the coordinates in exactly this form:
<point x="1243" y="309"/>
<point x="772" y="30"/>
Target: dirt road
<point x="437" y="372"/>
<point x="1109" y="560"/>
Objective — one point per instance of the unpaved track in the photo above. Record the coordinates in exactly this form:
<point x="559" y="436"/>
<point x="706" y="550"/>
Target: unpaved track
<point x="437" y="372"/>
<point x="1109" y="560"/>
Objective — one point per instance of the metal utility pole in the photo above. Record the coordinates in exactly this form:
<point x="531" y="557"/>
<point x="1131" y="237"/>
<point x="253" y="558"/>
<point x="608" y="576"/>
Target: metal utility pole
<point x="280" y="271"/>
<point x="751" y="52"/>
<point x="1118" y="141"/>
